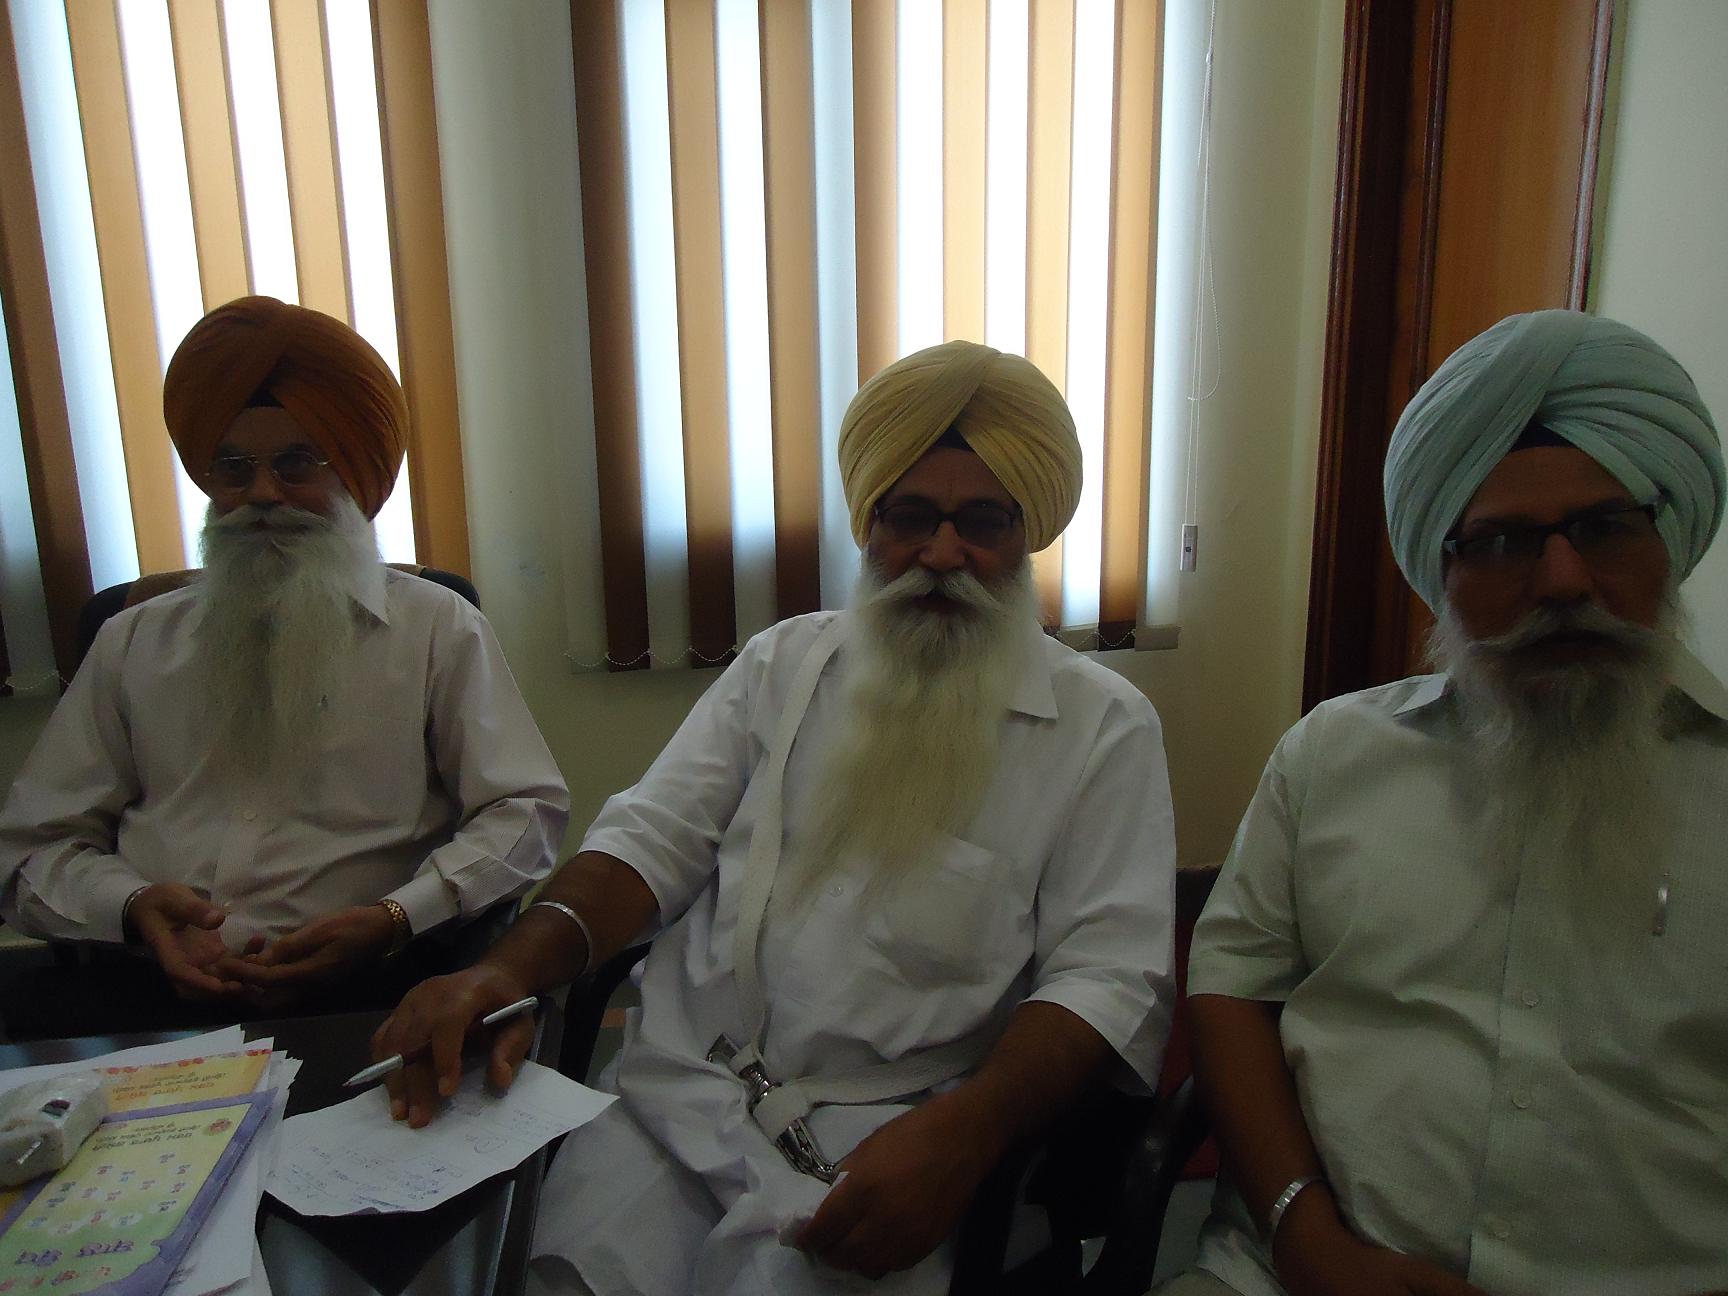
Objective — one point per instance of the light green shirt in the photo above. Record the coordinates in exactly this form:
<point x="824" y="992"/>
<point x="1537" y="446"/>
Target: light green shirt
<point x="1538" y="1113"/>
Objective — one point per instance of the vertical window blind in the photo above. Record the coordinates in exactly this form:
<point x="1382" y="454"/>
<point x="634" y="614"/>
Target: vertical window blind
<point x="779" y="197"/>
<point x="161" y="157"/>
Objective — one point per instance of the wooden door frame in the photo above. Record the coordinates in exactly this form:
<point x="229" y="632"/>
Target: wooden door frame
<point x="1391" y="132"/>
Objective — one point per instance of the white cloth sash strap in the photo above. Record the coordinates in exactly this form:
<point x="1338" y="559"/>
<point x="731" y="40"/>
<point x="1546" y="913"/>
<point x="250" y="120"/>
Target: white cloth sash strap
<point x="791" y="1100"/>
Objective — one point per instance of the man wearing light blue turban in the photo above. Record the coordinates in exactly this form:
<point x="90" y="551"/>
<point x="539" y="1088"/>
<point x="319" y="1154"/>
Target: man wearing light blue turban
<point x="1594" y="383"/>
<point x="1458" y="998"/>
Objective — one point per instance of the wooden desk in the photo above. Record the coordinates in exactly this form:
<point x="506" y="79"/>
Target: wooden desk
<point x="475" y="1244"/>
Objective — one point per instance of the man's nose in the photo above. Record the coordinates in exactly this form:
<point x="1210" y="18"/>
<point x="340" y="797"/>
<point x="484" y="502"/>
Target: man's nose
<point x="264" y="491"/>
<point x="1561" y="575"/>
<point x="945" y="551"/>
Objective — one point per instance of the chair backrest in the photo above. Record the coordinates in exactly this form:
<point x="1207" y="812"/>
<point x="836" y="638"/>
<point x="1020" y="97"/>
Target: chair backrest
<point x="116" y="598"/>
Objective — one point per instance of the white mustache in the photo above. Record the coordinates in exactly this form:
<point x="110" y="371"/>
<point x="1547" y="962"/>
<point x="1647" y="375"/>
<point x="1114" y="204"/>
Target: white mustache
<point x="279" y="517"/>
<point x="1547" y="621"/>
<point x="955" y="586"/>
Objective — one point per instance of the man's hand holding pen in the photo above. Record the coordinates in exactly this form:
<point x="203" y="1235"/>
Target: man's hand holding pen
<point x="429" y="1028"/>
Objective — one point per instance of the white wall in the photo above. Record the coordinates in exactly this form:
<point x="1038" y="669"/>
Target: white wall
<point x="1662" y="266"/>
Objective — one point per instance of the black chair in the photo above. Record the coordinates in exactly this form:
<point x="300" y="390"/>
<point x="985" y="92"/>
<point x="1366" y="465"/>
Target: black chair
<point x="1104" y="1171"/>
<point x="117" y="598"/>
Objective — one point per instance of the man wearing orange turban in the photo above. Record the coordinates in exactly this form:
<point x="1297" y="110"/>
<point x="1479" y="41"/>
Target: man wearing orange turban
<point x="918" y="843"/>
<point x="331" y="382"/>
<point x="303" y="759"/>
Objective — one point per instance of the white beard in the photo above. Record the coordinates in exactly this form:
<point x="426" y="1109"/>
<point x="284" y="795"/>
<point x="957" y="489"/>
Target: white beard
<point x="1568" y="759"/>
<point x="278" y="630"/>
<point x="925" y="694"/>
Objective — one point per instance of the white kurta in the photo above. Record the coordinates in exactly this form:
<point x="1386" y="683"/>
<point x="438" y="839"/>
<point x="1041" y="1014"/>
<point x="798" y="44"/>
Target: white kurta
<point x="1486" y="1090"/>
<point x="1061" y="891"/>
<point x="433" y="785"/>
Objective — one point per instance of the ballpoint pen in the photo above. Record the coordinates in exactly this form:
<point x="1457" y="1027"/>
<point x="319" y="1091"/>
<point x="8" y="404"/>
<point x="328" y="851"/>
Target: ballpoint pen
<point x="378" y="1070"/>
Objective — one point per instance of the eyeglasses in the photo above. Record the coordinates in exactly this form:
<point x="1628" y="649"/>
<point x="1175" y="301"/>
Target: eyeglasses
<point x="289" y="467"/>
<point x="1601" y="537"/>
<point x="981" y="523"/>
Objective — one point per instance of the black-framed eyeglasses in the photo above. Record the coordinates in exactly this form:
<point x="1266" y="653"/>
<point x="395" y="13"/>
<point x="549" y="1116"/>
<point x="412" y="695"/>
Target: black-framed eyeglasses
<point x="289" y="467"/>
<point x="1600" y="536"/>
<point x="983" y="523"/>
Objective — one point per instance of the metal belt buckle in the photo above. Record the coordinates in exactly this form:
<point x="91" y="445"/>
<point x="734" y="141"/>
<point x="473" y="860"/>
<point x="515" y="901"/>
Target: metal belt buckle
<point x="796" y="1143"/>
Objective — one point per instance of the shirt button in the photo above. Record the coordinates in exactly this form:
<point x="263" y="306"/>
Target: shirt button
<point x="1530" y="998"/>
<point x="250" y="815"/>
<point x="1520" y="1098"/>
<point x="837" y="890"/>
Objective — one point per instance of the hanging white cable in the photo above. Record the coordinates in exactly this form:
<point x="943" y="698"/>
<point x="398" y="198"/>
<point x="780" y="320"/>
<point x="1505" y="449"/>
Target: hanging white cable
<point x="1205" y="306"/>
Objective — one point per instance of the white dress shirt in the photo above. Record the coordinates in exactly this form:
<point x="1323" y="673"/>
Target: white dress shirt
<point x="1061" y="892"/>
<point x="1538" y="1112"/>
<point x="433" y="786"/>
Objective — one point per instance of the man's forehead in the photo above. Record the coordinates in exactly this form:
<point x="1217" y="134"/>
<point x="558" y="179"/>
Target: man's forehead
<point x="263" y="429"/>
<point x="949" y="472"/>
<point x="1543" y="483"/>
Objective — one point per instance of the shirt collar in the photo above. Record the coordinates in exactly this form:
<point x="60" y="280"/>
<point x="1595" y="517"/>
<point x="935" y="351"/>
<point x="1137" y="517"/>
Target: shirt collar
<point x="370" y="594"/>
<point x="1034" y="694"/>
<point x="1686" y="673"/>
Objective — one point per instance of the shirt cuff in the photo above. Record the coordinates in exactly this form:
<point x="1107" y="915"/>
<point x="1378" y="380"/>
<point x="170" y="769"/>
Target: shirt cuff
<point x="427" y="900"/>
<point x="107" y="900"/>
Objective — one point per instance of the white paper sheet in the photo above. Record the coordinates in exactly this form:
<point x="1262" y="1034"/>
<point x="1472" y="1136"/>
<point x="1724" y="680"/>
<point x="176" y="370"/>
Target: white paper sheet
<point x="352" y="1159"/>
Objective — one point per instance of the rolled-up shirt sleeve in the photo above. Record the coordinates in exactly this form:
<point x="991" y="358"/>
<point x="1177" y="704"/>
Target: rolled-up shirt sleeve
<point x="492" y="761"/>
<point x="61" y="877"/>
<point x="1105" y="904"/>
<point x="1247" y="944"/>
<point x="669" y="825"/>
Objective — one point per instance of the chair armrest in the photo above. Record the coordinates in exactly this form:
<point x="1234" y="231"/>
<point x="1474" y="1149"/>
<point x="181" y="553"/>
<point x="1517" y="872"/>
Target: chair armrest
<point x="1157" y="1155"/>
<point x="585" y="1007"/>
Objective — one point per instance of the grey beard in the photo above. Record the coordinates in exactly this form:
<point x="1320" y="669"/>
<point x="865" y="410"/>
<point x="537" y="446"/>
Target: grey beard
<point x="924" y="697"/>
<point x="1567" y="759"/>
<point x="277" y="630"/>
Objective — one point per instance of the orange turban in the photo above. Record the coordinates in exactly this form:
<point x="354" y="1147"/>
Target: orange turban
<point x="336" y="387"/>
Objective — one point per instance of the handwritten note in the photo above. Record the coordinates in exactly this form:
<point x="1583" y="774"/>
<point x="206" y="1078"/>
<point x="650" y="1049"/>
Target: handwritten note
<point x="352" y="1159"/>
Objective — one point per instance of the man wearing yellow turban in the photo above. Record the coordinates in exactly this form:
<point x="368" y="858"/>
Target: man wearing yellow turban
<point x="1458" y="996"/>
<point x="911" y="864"/>
<point x="303" y="759"/>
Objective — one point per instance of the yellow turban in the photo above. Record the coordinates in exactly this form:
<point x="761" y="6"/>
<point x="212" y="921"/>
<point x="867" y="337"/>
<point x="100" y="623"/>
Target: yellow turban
<point x="336" y="387"/>
<point x="1009" y="413"/>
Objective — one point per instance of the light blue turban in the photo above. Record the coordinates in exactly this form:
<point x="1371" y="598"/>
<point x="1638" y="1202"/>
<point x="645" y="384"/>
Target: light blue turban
<point x="1598" y="384"/>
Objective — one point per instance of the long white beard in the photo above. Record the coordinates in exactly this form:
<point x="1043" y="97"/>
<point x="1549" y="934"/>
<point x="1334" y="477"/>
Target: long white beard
<point x="1567" y="759"/>
<point x="925" y="694"/>
<point x="278" y="629"/>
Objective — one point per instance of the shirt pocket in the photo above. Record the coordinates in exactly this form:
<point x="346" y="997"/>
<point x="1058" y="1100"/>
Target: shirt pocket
<point x="374" y="772"/>
<point x="959" y="921"/>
